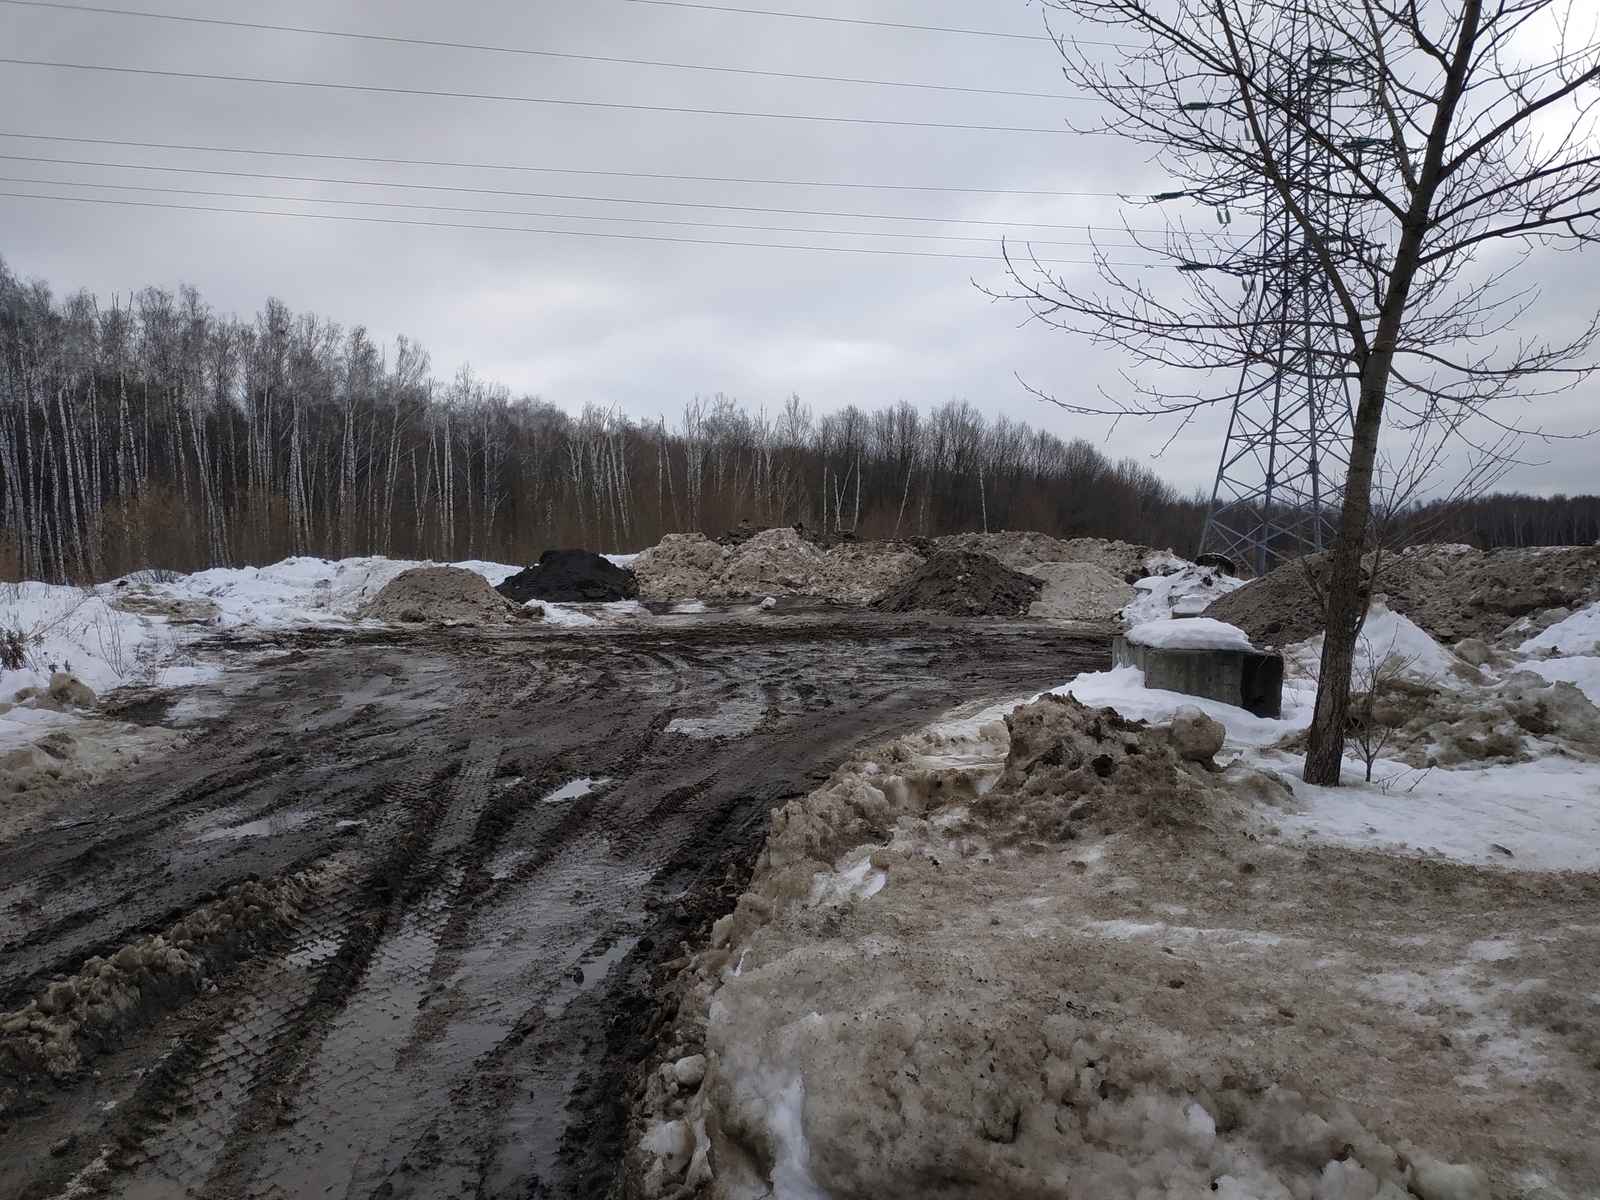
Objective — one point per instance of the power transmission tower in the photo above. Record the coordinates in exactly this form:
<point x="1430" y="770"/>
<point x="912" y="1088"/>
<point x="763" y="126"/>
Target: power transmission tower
<point x="1279" y="481"/>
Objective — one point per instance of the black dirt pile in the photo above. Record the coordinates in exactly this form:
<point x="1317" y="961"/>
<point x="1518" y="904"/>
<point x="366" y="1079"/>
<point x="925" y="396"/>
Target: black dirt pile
<point x="568" y="577"/>
<point x="962" y="584"/>
<point x="1453" y="592"/>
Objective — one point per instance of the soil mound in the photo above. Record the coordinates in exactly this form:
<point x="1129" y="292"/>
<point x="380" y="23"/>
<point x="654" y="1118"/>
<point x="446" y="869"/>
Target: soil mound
<point x="1452" y="592"/>
<point x="429" y="594"/>
<point x="570" y="576"/>
<point x="963" y="583"/>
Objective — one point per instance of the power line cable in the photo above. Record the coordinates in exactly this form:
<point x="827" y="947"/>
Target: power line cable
<point x="501" y="212"/>
<point x="767" y="12"/>
<point x="456" y="164"/>
<point x="528" y="195"/>
<point x="591" y="233"/>
<point x="433" y="93"/>
<point x="524" y="51"/>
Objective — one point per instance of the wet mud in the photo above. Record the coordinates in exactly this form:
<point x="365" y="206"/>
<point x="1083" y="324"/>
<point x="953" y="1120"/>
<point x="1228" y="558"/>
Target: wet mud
<point x="500" y="843"/>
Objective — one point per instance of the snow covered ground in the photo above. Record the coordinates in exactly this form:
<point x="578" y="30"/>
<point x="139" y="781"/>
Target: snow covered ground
<point x="1543" y="813"/>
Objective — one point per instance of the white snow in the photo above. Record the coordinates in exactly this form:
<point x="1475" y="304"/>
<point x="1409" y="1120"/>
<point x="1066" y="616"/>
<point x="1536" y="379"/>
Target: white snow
<point x="1583" y="673"/>
<point x="75" y="630"/>
<point x="1540" y="815"/>
<point x="1578" y="634"/>
<point x="1190" y="633"/>
<point x="1389" y="638"/>
<point x="577" y="788"/>
<point x="1183" y="590"/>
<point x="1122" y="688"/>
<point x="1545" y="813"/>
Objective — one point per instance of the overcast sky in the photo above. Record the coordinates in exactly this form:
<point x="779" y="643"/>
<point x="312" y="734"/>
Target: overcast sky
<point x="563" y="225"/>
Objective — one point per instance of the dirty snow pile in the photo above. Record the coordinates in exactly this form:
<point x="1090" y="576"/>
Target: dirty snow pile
<point x="48" y="1036"/>
<point x="1455" y="593"/>
<point x="774" y="562"/>
<point x="1084" y="579"/>
<point x="1058" y="952"/>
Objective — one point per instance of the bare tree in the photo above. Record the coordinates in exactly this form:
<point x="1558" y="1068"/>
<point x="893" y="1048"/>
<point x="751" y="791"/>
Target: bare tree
<point x="1404" y="144"/>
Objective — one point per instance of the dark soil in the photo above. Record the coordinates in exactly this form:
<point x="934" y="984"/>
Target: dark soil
<point x="568" y="577"/>
<point x="964" y="584"/>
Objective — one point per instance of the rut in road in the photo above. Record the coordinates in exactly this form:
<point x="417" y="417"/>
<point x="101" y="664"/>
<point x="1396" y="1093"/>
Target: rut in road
<point x="505" y="836"/>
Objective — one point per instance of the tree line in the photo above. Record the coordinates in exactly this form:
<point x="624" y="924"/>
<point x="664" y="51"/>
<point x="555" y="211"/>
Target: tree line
<point x="153" y="432"/>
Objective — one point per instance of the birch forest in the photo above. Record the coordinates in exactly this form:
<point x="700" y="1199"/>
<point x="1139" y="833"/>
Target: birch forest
<point x="150" y="431"/>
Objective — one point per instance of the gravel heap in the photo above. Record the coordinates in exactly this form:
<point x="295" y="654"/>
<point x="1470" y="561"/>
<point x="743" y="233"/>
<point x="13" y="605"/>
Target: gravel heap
<point x="1452" y="592"/>
<point x="569" y="576"/>
<point x="965" y="584"/>
<point x="431" y="594"/>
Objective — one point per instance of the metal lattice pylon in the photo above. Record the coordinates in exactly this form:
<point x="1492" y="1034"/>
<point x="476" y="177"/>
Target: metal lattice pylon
<point x="1279" y="483"/>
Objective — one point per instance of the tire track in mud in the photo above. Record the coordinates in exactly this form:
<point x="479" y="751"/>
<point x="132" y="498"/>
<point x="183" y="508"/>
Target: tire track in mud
<point x="333" y="1138"/>
<point x="460" y="1005"/>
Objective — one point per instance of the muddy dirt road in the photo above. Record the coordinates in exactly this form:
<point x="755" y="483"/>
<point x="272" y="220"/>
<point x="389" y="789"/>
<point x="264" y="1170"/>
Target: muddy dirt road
<point x="491" y="844"/>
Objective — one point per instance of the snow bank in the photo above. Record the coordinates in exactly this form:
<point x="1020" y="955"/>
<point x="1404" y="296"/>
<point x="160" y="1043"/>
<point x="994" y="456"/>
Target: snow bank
<point x="1047" y="958"/>
<point x="87" y="633"/>
<point x="1542" y="814"/>
<point x="1577" y="634"/>
<point x="1123" y="689"/>
<point x="139" y="629"/>
<point x="1191" y="633"/>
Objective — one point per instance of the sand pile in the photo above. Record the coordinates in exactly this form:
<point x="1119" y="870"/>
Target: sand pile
<point x="570" y="576"/>
<point x="1453" y="592"/>
<point x="1058" y="958"/>
<point x="442" y="594"/>
<point x="962" y="583"/>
